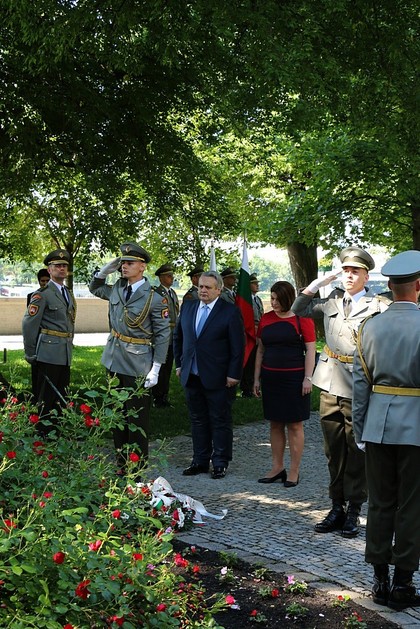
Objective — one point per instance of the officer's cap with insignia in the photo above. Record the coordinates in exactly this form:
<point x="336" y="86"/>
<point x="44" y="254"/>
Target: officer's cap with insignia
<point x="132" y="251"/>
<point x="165" y="269"/>
<point x="197" y="270"/>
<point x="357" y="257"/>
<point x="228" y="272"/>
<point x="59" y="256"/>
<point x="253" y="277"/>
<point x="403" y="268"/>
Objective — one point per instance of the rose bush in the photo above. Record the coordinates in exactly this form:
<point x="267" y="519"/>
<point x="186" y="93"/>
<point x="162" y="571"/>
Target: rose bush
<point x="81" y="547"/>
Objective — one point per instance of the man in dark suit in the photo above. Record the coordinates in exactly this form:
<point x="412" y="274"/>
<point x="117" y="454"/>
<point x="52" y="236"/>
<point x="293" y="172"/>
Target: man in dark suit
<point x="209" y="342"/>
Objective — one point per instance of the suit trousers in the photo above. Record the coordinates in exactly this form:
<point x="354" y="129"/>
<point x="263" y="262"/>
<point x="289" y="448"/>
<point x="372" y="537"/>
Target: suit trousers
<point x="346" y="462"/>
<point x="161" y="389"/>
<point x="210" y="413"/>
<point x="135" y="429"/>
<point x="393" y="476"/>
<point x="51" y="390"/>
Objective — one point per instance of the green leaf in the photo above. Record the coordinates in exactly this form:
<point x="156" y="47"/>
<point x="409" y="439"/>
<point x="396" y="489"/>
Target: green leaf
<point x="17" y="570"/>
<point x="29" y="568"/>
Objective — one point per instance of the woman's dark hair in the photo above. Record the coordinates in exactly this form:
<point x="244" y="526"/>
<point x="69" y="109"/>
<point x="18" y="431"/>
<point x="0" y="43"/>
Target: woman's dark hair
<point x="285" y="293"/>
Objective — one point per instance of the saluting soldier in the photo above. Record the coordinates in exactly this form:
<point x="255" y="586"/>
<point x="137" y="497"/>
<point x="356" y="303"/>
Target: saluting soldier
<point x="229" y="277"/>
<point x="165" y="273"/>
<point x="138" y="341"/>
<point x="48" y="330"/>
<point x="194" y="274"/>
<point x="343" y="312"/>
<point x="386" y="420"/>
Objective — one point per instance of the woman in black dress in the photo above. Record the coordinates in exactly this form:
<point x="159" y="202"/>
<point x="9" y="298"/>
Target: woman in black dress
<point x="284" y="365"/>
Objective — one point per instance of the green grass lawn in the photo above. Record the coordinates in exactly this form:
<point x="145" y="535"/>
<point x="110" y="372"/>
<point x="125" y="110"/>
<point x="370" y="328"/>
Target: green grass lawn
<point x="87" y="369"/>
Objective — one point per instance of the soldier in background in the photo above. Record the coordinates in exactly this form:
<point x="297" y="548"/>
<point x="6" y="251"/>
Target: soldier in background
<point x="48" y="330"/>
<point x="247" y="381"/>
<point x="194" y="274"/>
<point x="229" y="277"/>
<point x="138" y="342"/>
<point x="165" y="273"/>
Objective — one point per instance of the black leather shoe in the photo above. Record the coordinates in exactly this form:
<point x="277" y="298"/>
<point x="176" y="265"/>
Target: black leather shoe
<point x="272" y="479"/>
<point x="403" y="593"/>
<point x="351" y="524"/>
<point x="333" y="521"/>
<point x="290" y="483"/>
<point x="195" y="469"/>
<point x="380" y="588"/>
<point x="218" y="472"/>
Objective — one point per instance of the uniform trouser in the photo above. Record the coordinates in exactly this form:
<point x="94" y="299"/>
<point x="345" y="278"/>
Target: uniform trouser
<point x="52" y="385"/>
<point x="247" y="380"/>
<point x="393" y="475"/>
<point x="136" y="415"/>
<point x="211" y="422"/>
<point x="161" y="389"/>
<point x="346" y="463"/>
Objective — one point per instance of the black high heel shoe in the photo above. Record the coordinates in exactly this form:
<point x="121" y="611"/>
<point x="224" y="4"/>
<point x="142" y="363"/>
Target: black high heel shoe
<point x="290" y="483"/>
<point x="272" y="479"/>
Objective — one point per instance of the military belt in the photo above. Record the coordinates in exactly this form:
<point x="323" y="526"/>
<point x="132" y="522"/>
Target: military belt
<point x="64" y="335"/>
<point x="383" y="388"/>
<point x="130" y="339"/>
<point x="342" y="359"/>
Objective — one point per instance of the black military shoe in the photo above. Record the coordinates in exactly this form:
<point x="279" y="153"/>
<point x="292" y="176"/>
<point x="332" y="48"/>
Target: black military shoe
<point x="403" y="593"/>
<point x="380" y="589"/>
<point x="333" y="521"/>
<point x="351" y="524"/>
<point x="195" y="469"/>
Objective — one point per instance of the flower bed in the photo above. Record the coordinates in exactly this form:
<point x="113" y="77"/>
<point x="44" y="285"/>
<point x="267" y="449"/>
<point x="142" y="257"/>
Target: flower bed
<point x="81" y="547"/>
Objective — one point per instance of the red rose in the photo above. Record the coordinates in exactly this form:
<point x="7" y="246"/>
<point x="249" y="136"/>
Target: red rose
<point x="34" y="419"/>
<point x="275" y="593"/>
<point x="161" y="607"/>
<point x="253" y="613"/>
<point x="68" y="626"/>
<point x="119" y="620"/>
<point x="134" y="457"/>
<point x="116" y="514"/>
<point x="88" y="421"/>
<point x="44" y="474"/>
<point x="85" y="409"/>
<point x="81" y="590"/>
<point x="59" y="557"/>
<point x="137" y="556"/>
<point x="229" y="599"/>
<point x="95" y="546"/>
<point x="11" y="454"/>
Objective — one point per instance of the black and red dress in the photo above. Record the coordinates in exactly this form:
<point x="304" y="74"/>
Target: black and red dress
<point x="283" y="367"/>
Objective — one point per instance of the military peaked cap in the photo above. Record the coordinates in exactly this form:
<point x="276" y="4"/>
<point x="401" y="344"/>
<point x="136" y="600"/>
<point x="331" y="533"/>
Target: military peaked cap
<point x="357" y="257"/>
<point x="133" y="251"/>
<point x="59" y="256"/>
<point x="165" y="269"/>
<point x="229" y="272"/>
<point x="404" y="267"/>
<point x="197" y="270"/>
<point x="253" y="277"/>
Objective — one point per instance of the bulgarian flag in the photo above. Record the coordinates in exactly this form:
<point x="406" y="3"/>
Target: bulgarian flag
<point x="244" y="302"/>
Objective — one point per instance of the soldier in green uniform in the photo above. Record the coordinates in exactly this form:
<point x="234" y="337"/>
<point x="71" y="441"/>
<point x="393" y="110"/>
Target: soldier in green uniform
<point x="386" y="421"/>
<point x="165" y="273"/>
<point x="194" y="274"/>
<point x="342" y="312"/>
<point x="229" y="277"/>
<point x="138" y="340"/>
<point x="48" y="330"/>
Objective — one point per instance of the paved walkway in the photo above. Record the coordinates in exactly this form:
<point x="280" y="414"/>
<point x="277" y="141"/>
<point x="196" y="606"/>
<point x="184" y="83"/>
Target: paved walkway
<point x="273" y="525"/>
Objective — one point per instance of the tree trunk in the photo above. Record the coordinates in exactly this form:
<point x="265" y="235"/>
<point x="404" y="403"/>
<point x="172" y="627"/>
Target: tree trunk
<point x="303" y="263"/>
<point x="415" y="214"/>
<point x="304" y="266"/>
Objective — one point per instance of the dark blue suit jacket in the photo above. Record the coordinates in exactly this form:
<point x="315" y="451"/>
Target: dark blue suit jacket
<point x="219" y="348"/>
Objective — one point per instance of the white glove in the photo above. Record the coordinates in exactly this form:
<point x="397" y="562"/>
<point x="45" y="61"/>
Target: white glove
<point x="361" y="446"/>
<point x="152" y="377"/>
<point x="109" y="268"/>
<point x="316" y="284"/>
